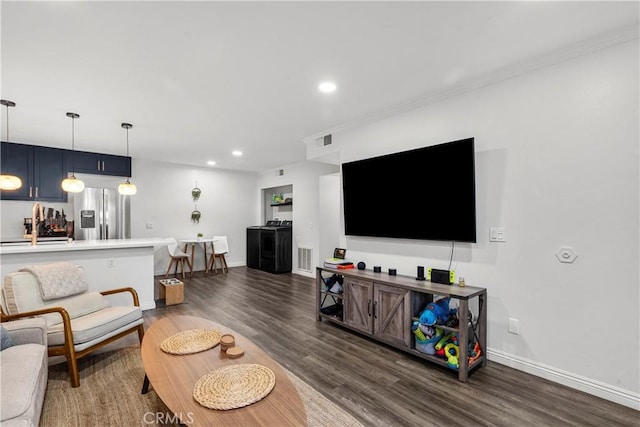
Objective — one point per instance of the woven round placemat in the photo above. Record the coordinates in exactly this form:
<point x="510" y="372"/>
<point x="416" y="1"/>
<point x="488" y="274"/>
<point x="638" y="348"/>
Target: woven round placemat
<point x="192" y="341"/>
<point x="234" y="386"/>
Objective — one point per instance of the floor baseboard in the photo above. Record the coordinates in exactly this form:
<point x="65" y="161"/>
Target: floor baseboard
<point x="587" y="385"/>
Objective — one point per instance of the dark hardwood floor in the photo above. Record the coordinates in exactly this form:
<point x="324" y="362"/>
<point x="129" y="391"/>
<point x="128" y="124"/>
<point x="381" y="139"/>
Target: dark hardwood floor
<point x="379" y="385"/>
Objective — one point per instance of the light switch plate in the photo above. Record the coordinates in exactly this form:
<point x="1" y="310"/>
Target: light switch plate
<point x="497" y="234"/>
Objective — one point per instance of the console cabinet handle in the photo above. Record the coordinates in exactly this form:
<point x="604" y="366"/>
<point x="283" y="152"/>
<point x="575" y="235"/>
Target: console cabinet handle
<point x="369" y="308"/>
<point x="30" y="191"/>
<point x="375" y="304"/>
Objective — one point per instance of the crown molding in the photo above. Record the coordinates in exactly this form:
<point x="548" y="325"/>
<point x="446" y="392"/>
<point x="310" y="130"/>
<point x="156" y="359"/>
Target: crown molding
<point x="585" y="47"/>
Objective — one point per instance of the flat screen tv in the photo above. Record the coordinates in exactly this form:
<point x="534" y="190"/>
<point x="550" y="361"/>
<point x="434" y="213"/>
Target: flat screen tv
<point x="426" y="193"/>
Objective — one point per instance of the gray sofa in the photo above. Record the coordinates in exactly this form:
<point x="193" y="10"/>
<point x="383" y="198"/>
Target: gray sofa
<point x="23" y="371"/>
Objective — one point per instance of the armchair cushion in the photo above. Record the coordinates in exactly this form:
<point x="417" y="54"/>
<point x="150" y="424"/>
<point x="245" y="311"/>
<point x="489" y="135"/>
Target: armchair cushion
<point x="95" y="325"/>
<point x="21" y="293"/>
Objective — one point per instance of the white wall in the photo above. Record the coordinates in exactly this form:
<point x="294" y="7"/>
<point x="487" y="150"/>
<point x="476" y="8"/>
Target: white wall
<point x="557" y="165"/>
<point x="331" y="222"/>
<point x="227" y="204"/>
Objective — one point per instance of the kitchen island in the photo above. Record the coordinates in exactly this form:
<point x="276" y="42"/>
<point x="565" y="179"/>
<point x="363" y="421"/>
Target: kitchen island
<point x="108" y="264"/>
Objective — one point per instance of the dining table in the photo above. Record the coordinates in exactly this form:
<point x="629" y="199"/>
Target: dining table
<point x="195" y="242"/>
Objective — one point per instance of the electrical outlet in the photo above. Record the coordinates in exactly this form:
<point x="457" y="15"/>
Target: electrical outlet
<point x="111" y="263"/>
<point x="149" y="225"/>
<point x="514" y="326"/>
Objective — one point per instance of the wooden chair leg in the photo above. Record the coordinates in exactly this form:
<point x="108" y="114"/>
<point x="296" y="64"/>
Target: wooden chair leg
<point x="223" y="261"/>
<point x="182" y="267"/>
<point x="72" y="362"/>
<point x="166" y="274"/>
<point x="140" y="333"/>
<point x="190" y="267"/>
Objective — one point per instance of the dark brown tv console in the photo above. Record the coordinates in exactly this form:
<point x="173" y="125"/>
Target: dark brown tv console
<point x="383" y="307"/>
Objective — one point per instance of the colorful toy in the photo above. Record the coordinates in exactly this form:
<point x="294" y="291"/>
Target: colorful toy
<point x="437" y="312"/>
<point x="475" y="352"/>
<point x="452" y="351"/>
<point x="418" y="332"/>
<point x="445" y="339"/>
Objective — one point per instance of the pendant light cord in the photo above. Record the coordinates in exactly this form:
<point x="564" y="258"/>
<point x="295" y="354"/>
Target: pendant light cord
<point x="73" y="146"/>
<point x="127" y="126"/>
<point x="73" y="117"/>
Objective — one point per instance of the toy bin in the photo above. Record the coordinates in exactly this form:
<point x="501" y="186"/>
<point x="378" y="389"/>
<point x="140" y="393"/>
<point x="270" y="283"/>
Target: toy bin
<point x="427" y="346"/>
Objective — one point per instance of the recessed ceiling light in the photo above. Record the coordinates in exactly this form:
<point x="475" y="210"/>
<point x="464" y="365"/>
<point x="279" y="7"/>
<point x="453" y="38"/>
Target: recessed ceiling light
<point x="237" y="153"/>
<point x="211" y="163"/>
<point x="327" y="87"/>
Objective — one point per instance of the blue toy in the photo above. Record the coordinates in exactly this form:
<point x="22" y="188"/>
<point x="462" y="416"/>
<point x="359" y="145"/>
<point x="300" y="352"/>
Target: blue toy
<point x="437" y="312"/>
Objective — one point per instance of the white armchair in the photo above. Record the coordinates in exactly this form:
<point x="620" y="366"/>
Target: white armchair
<point x="78" y="321"/>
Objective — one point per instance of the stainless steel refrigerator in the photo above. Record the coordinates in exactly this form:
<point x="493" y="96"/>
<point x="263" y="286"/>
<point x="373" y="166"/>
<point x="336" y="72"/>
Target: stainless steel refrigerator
<point x="101" y="213"/>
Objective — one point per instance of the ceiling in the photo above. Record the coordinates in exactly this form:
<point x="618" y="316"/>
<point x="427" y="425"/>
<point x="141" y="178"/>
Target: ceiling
<point x="200" y="79"/>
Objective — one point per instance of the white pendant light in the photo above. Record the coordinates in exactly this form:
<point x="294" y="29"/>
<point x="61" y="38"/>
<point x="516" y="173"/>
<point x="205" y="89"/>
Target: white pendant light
<point x="8" y="181"/>
<point x="71" y="184"/>
<point x="127" y="188"/>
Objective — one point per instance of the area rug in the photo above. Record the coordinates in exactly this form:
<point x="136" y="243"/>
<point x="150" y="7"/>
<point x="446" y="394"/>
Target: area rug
<point x="109" y="395"/>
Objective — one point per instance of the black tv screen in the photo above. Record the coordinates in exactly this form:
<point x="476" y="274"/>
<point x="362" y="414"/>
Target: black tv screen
<point x="426" y="193"/>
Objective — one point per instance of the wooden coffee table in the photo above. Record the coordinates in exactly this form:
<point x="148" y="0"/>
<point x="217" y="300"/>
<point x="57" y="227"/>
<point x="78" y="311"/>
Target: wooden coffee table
<point x="173" y="378"/>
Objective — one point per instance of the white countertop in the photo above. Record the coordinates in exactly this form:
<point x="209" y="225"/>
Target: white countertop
<point x="81" y="245"/>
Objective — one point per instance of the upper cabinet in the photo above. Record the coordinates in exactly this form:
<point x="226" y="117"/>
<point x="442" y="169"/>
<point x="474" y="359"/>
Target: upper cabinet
<point x="101" y="164"/>
<point x="41" y="170"/>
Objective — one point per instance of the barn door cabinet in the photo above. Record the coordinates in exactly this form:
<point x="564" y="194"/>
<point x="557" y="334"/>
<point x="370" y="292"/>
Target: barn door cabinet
<point x="384" y="307"/>
<point x="379" y="310"/>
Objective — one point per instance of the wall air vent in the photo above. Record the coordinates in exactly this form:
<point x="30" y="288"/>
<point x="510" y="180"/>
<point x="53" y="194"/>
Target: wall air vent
<point x="326" y="140"/>
<point x="280" y="172"/>
<point x="304" y="259"/>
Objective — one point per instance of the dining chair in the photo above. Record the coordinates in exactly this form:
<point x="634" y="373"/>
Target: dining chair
<point x="220" y="247"/>
<point x="178" y="257"/>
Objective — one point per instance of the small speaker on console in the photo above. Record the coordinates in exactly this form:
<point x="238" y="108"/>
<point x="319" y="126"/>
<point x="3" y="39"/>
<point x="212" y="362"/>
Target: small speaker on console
<point x="392" y="272"/>
<point x="420" y="275"/>
<point x="377" y="269"/>
<point x="440" y="276"/>
<point x="362" y="265"/>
